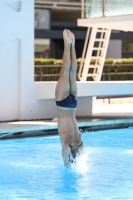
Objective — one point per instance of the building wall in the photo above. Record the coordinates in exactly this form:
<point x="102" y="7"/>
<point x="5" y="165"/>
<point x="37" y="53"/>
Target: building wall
<point x="9" y="79"/>
<point x="114" y="49"/>
<point x="16" y="60"/>
<point x="18" y="91"/>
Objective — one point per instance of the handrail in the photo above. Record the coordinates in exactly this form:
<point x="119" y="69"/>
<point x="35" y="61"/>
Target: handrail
<point x="59" y="1"/>
<point x="105" y="65"/>
<point x="38" y="66"/>
<point x="40" y="74"/>
<point x="65" y="4"/>
<point x="83" y="53"/>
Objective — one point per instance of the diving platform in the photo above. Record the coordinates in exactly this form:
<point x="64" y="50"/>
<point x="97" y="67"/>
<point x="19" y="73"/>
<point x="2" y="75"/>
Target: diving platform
<point x="122" y="22"/>
<point x="87" y="89"/>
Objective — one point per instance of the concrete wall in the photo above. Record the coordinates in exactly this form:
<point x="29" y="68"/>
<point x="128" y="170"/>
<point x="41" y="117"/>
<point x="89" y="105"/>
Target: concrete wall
<point x="88" y="89"/>
<point x="16" y="59"/>
<point x="114" y="49"/>
<point x="9" y="79"/>
<point x="18" y="92"/>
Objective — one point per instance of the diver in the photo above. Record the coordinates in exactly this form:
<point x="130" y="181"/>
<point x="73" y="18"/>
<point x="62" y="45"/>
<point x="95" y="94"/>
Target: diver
<point x="65" y="94"/>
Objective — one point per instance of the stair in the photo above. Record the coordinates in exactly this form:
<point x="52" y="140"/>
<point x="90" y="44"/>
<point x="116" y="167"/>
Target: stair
<point x="96" y="50"/>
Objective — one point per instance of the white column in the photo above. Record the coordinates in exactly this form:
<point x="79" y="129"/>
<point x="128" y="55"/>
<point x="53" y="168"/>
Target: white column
<point x="84" y="107"/>
<point x="17" y="90"/>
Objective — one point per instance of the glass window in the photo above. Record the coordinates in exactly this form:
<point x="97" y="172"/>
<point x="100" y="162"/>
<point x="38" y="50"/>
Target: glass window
<point x="42" y="48"/>
<point x="127" y="46"/>
<point x="42" y="19"/>
<point x="99" y="8"/>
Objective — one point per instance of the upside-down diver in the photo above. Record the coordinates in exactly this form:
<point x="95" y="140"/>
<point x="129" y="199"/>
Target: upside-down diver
<point x="65" y="93"/>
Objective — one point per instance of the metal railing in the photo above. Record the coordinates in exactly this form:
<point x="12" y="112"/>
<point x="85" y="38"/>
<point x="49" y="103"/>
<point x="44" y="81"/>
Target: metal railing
<point x="58" y="4"/>
<point x="110" y="73"/>
<point x="115" y="99"/>
<point x="104" y="8"/>
<point x="60" y="1"/>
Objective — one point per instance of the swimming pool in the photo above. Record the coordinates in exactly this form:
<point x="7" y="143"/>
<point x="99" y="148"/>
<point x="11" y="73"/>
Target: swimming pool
<point x="32" y="168"/>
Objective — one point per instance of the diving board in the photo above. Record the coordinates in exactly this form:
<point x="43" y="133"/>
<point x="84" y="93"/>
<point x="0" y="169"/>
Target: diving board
<point x="122" y="22"/>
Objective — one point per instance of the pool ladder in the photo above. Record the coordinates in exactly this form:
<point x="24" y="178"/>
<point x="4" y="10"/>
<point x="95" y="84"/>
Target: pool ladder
<point x="95" y="50"/>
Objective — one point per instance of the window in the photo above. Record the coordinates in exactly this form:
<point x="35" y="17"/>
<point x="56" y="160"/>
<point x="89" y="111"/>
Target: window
<point x="42" y="19"/>
<point x="42" y="48"/>
<point x="127" y="46"/>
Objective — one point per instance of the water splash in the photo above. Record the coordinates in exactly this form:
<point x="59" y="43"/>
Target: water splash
<point x="81" y="164"/>
<point x="129" y="152"/>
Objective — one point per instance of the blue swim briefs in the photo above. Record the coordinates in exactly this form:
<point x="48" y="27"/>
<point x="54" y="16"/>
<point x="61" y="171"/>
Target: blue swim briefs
<point x="69" y="102"/>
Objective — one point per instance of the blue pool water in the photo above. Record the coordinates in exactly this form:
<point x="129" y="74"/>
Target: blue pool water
<point x="32" y="168"/>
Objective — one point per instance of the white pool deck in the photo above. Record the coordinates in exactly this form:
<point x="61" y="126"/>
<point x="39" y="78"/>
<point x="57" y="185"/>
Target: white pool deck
<point x="105" y="116"/>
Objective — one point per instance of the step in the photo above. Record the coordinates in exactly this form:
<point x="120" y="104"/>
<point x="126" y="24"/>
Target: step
<point x="96" y="57"/>
<point x="94" y="66"/>
<point x="98" y="48"/>
<point x="100" y="39"/>
<point x="98" y="30"/>
<point x="88" y="75"/>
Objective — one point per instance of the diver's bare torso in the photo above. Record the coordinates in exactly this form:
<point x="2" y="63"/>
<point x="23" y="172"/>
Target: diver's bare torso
<point x="67" y="127"/>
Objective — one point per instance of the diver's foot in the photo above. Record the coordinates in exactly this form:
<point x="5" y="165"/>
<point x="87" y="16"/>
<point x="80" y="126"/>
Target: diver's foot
<point x="67" y="39"/>
<point x="71" y="35"/>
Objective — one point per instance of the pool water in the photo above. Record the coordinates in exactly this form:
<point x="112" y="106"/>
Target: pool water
<point x="32" y="168"/>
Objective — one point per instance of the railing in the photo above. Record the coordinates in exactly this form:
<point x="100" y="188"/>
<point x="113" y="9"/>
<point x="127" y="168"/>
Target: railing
<point x="115" y="100"/>
<point x="59" y="1"/>
<point x="59" y="4"/>
<point x="110" y="72"/>
<point x="104" y="8"/>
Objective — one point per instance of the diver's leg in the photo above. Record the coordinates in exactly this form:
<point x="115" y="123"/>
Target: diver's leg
<point x="63" y="85"/>
<point x="73" y="69"/>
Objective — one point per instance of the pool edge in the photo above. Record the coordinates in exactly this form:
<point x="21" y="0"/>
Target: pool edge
<point x="45" y="130"/>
